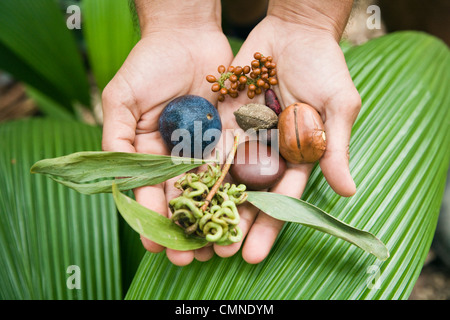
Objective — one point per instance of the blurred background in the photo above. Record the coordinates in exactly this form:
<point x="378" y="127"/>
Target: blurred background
<point x="19" y="100"/>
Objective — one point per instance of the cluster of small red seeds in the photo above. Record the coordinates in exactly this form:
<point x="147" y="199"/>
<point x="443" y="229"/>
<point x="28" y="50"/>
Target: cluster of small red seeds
<point x="259" y="76"/>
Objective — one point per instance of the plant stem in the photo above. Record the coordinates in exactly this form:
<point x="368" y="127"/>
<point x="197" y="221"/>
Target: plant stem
<point x="225" y="169"/>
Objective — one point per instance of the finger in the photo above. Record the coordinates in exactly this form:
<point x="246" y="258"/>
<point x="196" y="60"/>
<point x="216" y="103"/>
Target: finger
<point x="119" y="122"/>
<point x="335" y="161"/>
<point x="119" y="133"/>
<point x="180" y="258"/>
<point x="152" y="197"/>
<point x="247" y="214"/>
<point x="265" y="229"/>
<point x="204" y="254"/>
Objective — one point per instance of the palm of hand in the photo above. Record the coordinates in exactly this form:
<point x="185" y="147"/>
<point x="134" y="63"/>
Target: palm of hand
<point x="310" y="68"/>
<point x="161" y="67"/>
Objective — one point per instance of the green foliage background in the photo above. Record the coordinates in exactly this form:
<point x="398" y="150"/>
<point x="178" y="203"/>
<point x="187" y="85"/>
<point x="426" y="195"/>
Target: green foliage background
<point x="399" y="161"/>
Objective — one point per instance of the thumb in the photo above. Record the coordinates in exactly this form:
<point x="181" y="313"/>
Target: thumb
<point x="340" y="115"/>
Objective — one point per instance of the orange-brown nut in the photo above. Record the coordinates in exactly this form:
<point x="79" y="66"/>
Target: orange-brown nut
<point x="301" y="133"/>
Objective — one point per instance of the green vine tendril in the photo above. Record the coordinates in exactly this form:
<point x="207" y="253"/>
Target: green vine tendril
<point x="219" y="221"/>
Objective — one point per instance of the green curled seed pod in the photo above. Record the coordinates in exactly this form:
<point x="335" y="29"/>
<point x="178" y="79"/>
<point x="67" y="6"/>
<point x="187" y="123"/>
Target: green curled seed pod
<point x="204" y="220"/>
<point x="237" y="193"/>
<point x="235" y="234"/>
<point x="218" y="217"/>
<point x="183" y="213"/>
<point x="213" y="237"/>
<point x="192" y="228"/>
<point x="180" y="202"/>
<point x="210" y="176"/>
<point x="232" y="212"/>
<point x="199" y="187"/>
<point x="222" y="194"/>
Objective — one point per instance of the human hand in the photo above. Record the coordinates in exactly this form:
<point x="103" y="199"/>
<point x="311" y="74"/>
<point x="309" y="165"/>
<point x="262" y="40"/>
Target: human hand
<point x="311" y="69"/>
<point x="182" y="44"/>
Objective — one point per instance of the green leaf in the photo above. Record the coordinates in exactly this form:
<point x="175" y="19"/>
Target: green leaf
<point x="21" y="70"/>
<point x="110" y="35"/>
<point x="235" y="44"/>
<point x="36" y="36"/>
<point x="48" y="106"/>
<point x="294" y="210"/>
<point x="399" y="158"/>
<point x="82" y="171"/>
<point x="45" y="227"/>
<point x="154" y="226"/>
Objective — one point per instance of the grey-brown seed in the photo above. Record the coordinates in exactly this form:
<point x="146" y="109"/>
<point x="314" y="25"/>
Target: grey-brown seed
<point x="255" y="116"/>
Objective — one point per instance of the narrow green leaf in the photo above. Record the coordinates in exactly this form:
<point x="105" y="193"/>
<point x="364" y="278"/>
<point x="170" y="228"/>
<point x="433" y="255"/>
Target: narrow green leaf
<point x="51" y="236"/>
<point x="294" y="210"/>
<point x="154" y="226"/>
<point x="82" y="170"/>
<point x="110" y="35"/>
<point x="23" y="71"/>
<point x="36" y="32"/>
<point x="48" y="106"/>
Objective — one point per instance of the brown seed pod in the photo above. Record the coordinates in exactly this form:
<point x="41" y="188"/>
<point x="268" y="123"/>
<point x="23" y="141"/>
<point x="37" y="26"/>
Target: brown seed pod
<point x="301" y="134"/>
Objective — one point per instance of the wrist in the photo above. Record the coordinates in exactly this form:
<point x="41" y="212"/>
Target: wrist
<point x="157" y="15"/>
<point x="328" y="16"/>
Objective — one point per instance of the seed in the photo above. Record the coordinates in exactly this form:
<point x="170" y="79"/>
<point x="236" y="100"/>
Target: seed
<point x="273" y="81"/>
<point x="257" y="55"/>
<point x="258" y="91"/>
<point x="250" y="94"/>
<point x="272" y="102"/>
<point x="221" y="69"/>
<point x="243" y="79"/>
<point x="238" y="70"/>
<point x="255" y="64"/>
<point x="215" y="87"/>
<point x="255" y="116"/>
<point x="211" y="79"/>
<point x="223" y="91"/>
<point x="252" y="87"/>
<point x="234" y="94"/>
<point x="301" y="134"/>
<point x="230" y="69"/>
<point x="221" y="98"/>
<point x="260" y="82"/>
<point x="257" y="71"/>
<point x="246" y="69"/>
<point x="233" y="78"/>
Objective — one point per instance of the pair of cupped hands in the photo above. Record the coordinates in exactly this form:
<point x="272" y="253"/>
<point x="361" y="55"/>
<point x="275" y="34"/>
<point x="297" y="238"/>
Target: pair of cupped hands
<point x="168" y="63"/>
